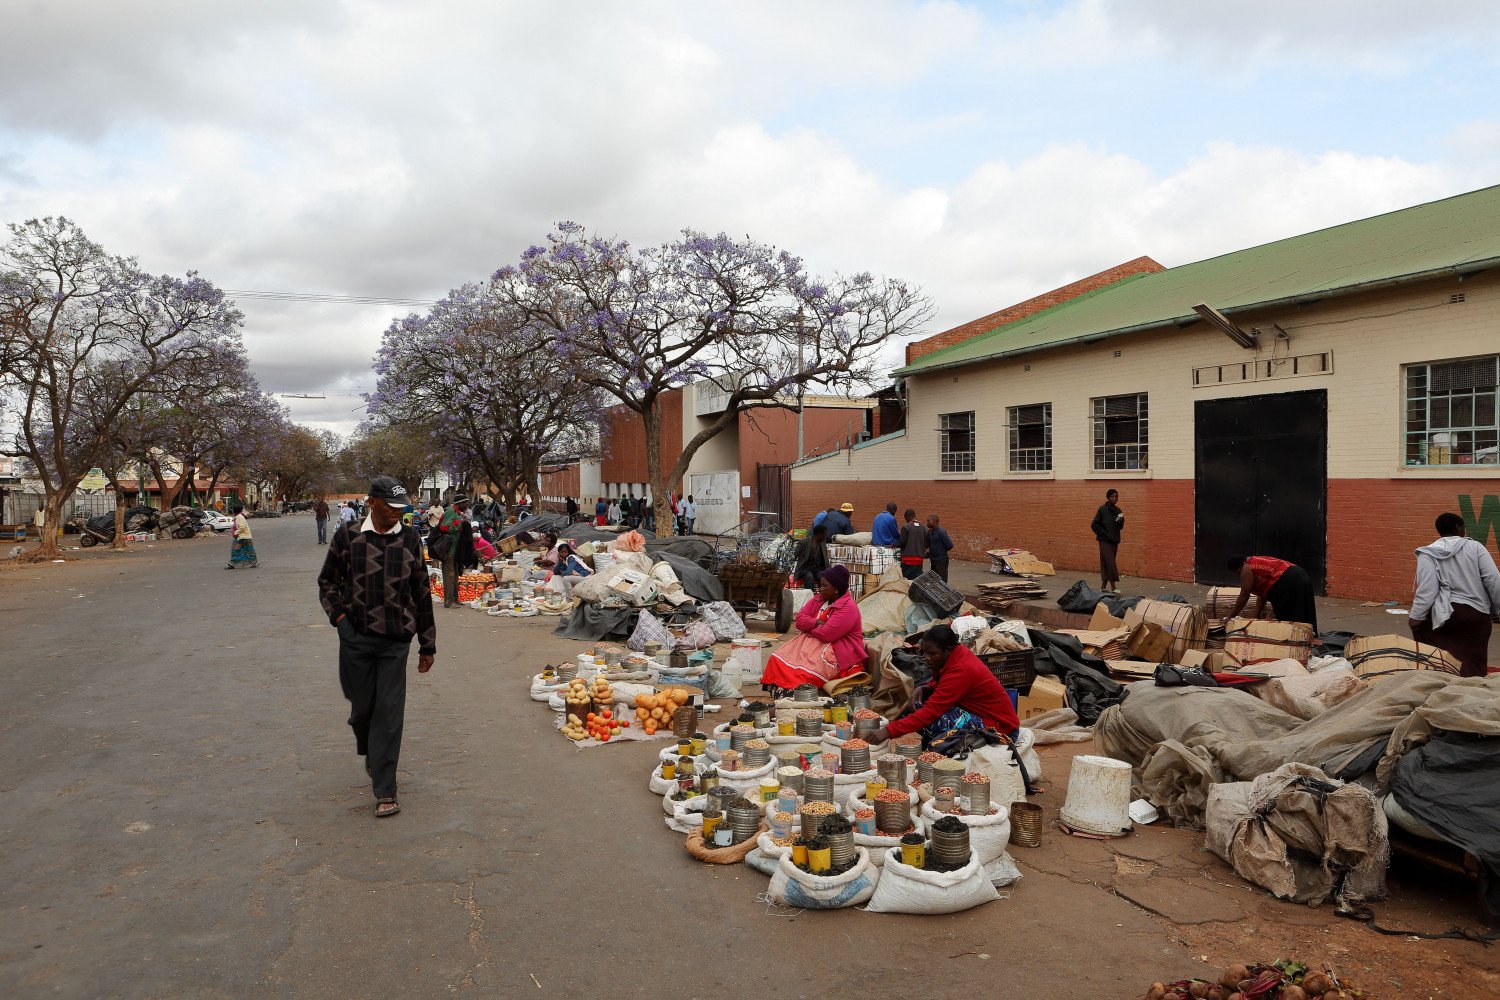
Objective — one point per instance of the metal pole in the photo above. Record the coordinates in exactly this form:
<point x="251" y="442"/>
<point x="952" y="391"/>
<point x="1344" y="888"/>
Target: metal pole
<point x="801" y="388"/>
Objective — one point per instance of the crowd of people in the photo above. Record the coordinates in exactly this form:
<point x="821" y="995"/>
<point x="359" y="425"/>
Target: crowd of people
<point x="918" y="544"/>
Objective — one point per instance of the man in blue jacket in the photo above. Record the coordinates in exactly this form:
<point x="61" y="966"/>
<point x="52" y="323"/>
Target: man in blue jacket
<point x="886" y="531"/>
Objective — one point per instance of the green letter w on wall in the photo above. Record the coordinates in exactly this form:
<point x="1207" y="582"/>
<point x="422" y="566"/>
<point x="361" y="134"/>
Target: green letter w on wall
<point x="1486" y="523"/>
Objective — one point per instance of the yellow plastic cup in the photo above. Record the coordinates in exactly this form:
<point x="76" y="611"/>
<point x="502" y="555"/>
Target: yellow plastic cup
<point x="799" y="854"/>
<point x="840" y="714"/>
<point x="709" y="824"/>
<point x="827" y="713"/>
<point x="872" y="789"/>
<point x="769" y="790"/>
<point x="669" y="769"/>
<point x="699" y="743"/>
<point x="820" y="860"/>
<point x="914" y="854"/>
<point x="786" y="728"/>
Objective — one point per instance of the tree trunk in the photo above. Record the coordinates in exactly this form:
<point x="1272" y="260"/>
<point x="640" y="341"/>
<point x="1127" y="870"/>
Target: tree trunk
<point x="48" y="547"/>
<point x="651" y="419"/>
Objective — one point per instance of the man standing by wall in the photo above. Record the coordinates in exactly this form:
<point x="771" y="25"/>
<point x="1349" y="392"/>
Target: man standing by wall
<point x="320" y="515"/>
<point x="938" y="546"/>
<point x="374" y="590"/>
<point x="1109" y="521"/>
<point x="885" y="533"/>
<point x="689" y="513"/>
<point x="1457" y="596"/>
<point x="911" y="544"/>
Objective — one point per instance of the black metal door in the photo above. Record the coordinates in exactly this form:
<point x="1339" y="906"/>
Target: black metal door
<point x="1261" y="482"/>
<point x="773" y="492"/>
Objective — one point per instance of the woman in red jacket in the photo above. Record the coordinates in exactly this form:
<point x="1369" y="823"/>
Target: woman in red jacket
<point x="962" y="694"/>
<point x="832" y="640"/>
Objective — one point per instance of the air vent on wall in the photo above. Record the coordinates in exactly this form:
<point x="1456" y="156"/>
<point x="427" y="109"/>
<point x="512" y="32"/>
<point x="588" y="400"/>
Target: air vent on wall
<point x="1117" y="354"/>
<point x="1455" y="298"/>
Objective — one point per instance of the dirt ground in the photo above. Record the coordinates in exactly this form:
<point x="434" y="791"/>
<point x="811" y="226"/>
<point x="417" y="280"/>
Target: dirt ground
<point x="185" y="817"/>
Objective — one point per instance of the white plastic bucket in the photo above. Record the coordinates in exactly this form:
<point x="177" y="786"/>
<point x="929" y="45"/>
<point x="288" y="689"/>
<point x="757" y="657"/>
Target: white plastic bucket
<point x="744" y="663"/>
<point x="1098" y="796"/>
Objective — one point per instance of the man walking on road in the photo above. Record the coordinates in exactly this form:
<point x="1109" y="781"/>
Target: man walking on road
<point x="374" y="590"/>
<point x="320" y="514"/>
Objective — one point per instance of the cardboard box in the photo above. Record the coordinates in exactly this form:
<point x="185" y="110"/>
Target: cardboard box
<point x="1183" y="622"/>
<point x="1371" y="655"/>
<point x="1250" y="641"/>
<point x="1108" y="644"/>
<point x="1046" y="694"/>
<point x="1131" y="670"/>
<point x="1150" y="642"/>
<point x="1214" y="660"/>
<point x="632" y="583"/>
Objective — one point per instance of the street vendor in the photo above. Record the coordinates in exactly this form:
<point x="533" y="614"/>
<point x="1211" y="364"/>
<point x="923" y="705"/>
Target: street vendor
<point x="549" y="550"/>
<point x="839" y="521"/>
<point x="1287" y="586"/>
<point x="830" y="643"/>
<point x="568" y="570"/>
<point x="963" y="694"/>
<point x="811" y="558"/>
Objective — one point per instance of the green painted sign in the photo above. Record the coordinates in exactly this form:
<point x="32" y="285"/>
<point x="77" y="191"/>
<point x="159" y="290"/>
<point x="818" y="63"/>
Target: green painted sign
<point x="1486" y="522"/>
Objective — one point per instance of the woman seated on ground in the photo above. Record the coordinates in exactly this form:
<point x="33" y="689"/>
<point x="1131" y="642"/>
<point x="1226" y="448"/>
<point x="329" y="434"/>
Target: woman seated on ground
<point x="483" y="549"/>
<point x="548" y="546"/>
<point x="831" y="643"/>
<point x="568" y="570"/>
<point x="962" y="694"/>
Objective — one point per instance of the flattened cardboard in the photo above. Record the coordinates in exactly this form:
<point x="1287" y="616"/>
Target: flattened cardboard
<point x="1103" y="621"/>
<point x="1379" y="654"/>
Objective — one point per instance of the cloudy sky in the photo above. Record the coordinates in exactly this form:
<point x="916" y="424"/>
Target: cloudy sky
<point x="988" y="151"/>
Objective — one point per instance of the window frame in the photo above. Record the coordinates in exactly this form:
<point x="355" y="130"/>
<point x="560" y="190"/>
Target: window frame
<point x="1035" y="458"/>
<point x="1099" y="423"/>
<point x="1419" y="406"/>
<point x="946" y="453"/>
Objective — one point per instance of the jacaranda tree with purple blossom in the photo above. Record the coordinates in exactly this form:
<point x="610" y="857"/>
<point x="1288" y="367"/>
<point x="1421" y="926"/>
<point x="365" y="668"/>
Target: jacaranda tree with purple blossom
<point x="747" y="317"/>
<point x="485" y="387"/>
<point x="91" y="333"/>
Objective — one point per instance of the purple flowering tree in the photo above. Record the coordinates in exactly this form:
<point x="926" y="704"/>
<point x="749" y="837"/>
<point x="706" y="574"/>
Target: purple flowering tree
<point x="636" y="324"/>
<point x="89" y="333"/>
<point x="484" y="389"/>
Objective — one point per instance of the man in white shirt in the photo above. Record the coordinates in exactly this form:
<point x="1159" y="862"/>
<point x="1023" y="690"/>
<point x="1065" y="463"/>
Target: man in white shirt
<point x="346" y="513"/>
<point x="689" y="513"/>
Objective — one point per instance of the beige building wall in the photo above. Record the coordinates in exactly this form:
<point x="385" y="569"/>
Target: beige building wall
<point x="1370" y="336"/>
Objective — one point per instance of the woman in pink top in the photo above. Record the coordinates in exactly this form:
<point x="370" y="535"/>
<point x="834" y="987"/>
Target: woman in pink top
<point x="831" y="643"/>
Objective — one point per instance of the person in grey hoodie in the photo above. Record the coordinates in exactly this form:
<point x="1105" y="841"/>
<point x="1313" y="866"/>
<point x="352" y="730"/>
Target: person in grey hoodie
<point x="1457" y="596"/>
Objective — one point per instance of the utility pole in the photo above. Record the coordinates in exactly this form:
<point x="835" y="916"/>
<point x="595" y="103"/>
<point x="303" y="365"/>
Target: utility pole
<point x="801" y="387"/>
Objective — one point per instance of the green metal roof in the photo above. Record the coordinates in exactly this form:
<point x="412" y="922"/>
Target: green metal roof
<point x="1455" y="235"/>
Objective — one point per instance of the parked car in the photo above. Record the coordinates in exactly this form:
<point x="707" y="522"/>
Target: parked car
<point x="217" y="522"/>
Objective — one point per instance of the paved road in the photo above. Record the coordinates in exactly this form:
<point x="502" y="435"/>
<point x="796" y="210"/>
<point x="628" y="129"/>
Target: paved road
<point x="183" y="815"/>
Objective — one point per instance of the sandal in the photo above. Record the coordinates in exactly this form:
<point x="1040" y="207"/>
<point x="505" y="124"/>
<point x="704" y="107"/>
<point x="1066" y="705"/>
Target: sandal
<point x="381" y="810"/>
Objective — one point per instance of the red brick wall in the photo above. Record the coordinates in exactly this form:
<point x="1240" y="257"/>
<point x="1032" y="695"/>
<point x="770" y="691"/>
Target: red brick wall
<point x="1373" y="524"/>
<point x="624" y="452"/>
<point x="984" y="324"/>
<point x="561" y="482"/>
<point x="769" y="436"/>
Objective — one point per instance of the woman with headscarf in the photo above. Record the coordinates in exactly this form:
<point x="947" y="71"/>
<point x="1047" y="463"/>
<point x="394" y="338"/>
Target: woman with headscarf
<point x="830" y="643"/>
<point x="962" y="694"/>
<point x="242" y="549"/>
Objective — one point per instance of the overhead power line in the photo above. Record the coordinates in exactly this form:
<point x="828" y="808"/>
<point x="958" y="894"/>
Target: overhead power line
<point x="326" y="297"/>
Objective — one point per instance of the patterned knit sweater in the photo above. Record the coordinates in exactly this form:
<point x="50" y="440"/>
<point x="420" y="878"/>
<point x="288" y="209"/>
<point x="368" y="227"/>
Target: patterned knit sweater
<point x="380" y="582"/>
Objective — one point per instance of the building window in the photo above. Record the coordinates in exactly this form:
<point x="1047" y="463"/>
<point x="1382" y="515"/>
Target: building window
<point x="1451" y="412"/>
<point x="1120" y="432"/>
<point x="958" y="441"/>
<point x="1031" y="438"/>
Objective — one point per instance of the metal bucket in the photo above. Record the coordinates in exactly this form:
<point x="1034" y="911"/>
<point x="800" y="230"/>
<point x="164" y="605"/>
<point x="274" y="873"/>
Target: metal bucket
<point x="809" y="723"/>
<point x="855" y="761"/>
<point x="817" y="788"/>
<point x="841" y="846"/>
<point x="892" y="767"/>
<point x="950" y="849"/>
<point x="744" y="819"/>
<point x="924" y="771"/>
<point x="979" y="797"/>
<point x="892" y="818"/>
<point x="1026" y="824"/>
<point x="755" y="756"/>
<point x="740" y="735"/>
<point x="865" y="728"/>
<point x="790" y="776"/>
<point x="947" y="773"/>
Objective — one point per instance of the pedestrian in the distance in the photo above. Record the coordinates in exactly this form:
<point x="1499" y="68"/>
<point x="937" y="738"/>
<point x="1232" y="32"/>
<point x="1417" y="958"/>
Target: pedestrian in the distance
<point x="571" y="506"/>
<point x="689" y="513"/>
<point x="242" y="549"/>
<point x="1457" y="596"/>
<point x="374" y="590"/>
<point x="346" y="513"/>
<point x="938" y="546"/>
<point x="601" y="513"/>
<point x="911" y="544"/>
<point x="1109" y="521"/>
<point x="320" y="515"/>
<point x="449" y="545"/>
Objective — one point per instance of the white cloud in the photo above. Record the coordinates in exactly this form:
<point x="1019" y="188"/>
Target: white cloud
<point x="382" y="148"/>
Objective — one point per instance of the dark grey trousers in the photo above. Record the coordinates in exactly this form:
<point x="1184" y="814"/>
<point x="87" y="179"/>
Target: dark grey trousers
<point x="450" y="581"/>
<point x="372" y="673"/>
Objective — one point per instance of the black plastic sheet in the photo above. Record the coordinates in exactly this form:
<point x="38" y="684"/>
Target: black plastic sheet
<point x="1090" y="688"/>
<point x="1452" y="784"/>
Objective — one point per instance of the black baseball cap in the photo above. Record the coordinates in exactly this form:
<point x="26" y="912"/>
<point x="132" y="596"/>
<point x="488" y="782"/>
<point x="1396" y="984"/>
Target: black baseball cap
<point x="388" y="489"/>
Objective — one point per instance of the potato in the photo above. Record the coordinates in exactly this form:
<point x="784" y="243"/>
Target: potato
<point x="1233" y="976"/>
<point x="1316" y="982"/>
<point x="1157" y="991"/>
<point x="1293" y="992"/>
<point x="1198" y="988"/>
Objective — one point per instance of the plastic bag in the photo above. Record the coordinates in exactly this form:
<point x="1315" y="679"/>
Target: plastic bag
<point x="722" y="618"/>
<point x="791" y="886"/>
<point x="648" y="628"/>
<point x="757" y="859"/>
<point x="905" y="889"/>
<point x="697" y="635"/>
